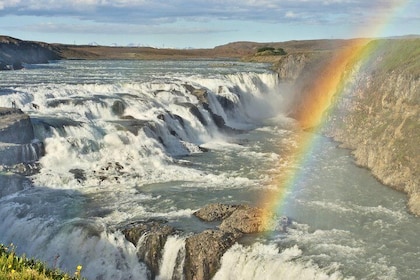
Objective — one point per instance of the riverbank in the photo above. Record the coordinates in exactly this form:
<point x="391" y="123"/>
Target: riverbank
<point x="376" y="111"/>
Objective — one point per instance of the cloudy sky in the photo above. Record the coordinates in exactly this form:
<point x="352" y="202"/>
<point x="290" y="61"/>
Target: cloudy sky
<point x="204" y="23"/>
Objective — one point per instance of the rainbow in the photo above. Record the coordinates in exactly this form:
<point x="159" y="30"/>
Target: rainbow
<point x="318" y="97"/>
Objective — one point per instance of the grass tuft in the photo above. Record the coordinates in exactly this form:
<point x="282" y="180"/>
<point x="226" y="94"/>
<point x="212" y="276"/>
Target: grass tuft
<point x="16" y="267"/>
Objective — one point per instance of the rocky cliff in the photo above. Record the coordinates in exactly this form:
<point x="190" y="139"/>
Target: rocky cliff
<point x="377" y="112"/>
<point x="14" y="53"/>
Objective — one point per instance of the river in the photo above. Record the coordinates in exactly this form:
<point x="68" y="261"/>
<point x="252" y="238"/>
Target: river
<point x="131" y="140"/>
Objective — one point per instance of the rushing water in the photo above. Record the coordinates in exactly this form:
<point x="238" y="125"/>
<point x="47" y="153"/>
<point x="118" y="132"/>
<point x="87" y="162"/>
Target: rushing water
<point x="165" y="157"/>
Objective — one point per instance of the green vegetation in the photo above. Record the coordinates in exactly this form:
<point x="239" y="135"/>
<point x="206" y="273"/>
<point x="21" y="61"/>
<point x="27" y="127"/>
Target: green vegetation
<point x="15" y="267"/>
<point x="270" y="51"/>
<point x="402" y="56"/>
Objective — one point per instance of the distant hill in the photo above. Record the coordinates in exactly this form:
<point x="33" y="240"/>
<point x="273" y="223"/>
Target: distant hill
<point x="14" y="53"/>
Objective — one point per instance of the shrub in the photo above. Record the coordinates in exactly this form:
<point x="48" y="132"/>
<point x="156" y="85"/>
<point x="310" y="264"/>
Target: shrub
<point x="271" y="51"/>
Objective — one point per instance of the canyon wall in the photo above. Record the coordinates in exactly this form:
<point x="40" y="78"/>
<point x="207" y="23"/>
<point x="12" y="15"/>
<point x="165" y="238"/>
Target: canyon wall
<point x="376" y="111"/>
<point x="14" y="53"/>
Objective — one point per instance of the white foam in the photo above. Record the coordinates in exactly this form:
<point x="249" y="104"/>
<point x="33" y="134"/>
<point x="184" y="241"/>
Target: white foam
<point x="168" y="265"/>
<point x="261" y="261"/>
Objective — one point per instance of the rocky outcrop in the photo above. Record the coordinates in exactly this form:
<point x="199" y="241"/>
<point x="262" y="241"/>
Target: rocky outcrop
<point x="17" y="143"/>
<point x="14" y="53"/>
<point x="18" y="151"/>
<point x="247" y="219"/>
<point x="290" y="67"/>
<point x="236" y="218"/>
<point x="203" y="250"/>
<point x="150" y="238"/>
<point x="15" y="126"/>
<point x="202" y="96"/>
<point x="215" y="212"/>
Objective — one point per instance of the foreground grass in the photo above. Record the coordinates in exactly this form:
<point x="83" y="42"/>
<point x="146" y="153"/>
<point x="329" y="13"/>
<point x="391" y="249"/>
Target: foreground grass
<point x="21" y="268"/>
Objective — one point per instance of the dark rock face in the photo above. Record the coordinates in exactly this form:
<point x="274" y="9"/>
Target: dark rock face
<point x="202" y="96"/>
<point x="15" y="126"/>
<point x="203" y="252"/>
<point x="79" y="174"/>
<point x="17" y="138"/>
<point x="226" y="103"/>
<point x="118" y="108"/>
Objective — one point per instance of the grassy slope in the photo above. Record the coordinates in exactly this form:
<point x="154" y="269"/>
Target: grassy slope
<point x="21" y="268"/>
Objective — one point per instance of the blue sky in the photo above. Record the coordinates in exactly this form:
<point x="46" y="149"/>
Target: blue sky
<point x="204" y="23"/>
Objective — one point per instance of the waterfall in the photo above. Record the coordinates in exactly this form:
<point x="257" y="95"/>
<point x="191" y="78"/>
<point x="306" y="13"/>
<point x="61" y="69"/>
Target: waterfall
<point x="172" y="263"/>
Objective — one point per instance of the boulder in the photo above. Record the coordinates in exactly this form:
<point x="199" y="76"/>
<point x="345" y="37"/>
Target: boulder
<point x="152" y="237"/>
<point x="203" y="252"/>
<point x="118" y="108"/>
<point x="247" y="219"/>
<point x="215" y="212"/>
<point x="242" y="218"/>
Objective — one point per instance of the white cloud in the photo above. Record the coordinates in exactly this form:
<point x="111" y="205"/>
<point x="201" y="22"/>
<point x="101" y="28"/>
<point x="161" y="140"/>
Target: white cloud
<point x="160" y="12"/>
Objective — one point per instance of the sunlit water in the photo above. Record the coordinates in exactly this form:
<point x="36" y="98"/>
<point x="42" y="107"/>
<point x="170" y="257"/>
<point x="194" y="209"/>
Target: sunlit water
<point x="345" y="224"/>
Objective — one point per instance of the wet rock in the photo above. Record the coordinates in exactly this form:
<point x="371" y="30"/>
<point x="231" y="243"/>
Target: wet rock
<point x="180" y="120"/>
<point x="15" y="126"/>
<point x="200" y="93"/>
<point x="215" y="212"/>
<point x="203" y="252"/>
<point x="131" y="124"/>
<point x="149" y="238"/>
<point x="118" y="108"/>
<point x="79" y="174"/>
<point x="242" y="218"/>
<point x="226" y="103"/>
<point x="196" y="112"/>
<point x="247" y="219"/>
<point x="203" y="149"/>
<point x="23" y="168"/>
